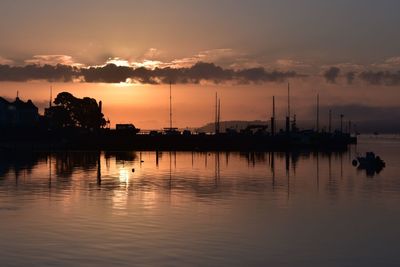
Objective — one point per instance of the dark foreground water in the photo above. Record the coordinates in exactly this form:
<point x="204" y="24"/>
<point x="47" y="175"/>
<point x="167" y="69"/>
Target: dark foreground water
<point x="200" y="209"/>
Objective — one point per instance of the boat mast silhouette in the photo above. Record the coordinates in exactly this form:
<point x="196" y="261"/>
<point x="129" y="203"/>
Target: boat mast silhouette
<point x="170" y="106"/>
<point x="288" y="110"/>
<point x="273" y="117"/>
<point x="317" y="113"/>
<point x="170" y="129"/>
<point x="217" y="114"/>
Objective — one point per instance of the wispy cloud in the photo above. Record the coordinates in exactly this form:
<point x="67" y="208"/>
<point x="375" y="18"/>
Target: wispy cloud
<point x="389" y="63"/>
<point x="52" y="60"/>
<point x="6" y="61"/>
<point x="286" y="63"/>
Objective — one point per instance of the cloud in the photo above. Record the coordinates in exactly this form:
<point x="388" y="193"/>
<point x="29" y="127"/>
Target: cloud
<point x="291" y="64"/>
<point x="219" y="66"/>
<point x="389" y="63"/>
<point x="6" y="61"/>
<point x="52" y="60"/>
<point x="36" y="72"/>
<point x="223" y="56"/>
<point x="393" y="61"/>
<point x="195" y="74"/>
<point x="380" y="77"/>
<point x="118" y="62"/>
<point x="112" y="73"/>
<point x="331" y="74"/>
<point x="152" y="53"/>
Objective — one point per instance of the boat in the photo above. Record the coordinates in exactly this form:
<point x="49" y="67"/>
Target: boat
<point x="371" y="163"/>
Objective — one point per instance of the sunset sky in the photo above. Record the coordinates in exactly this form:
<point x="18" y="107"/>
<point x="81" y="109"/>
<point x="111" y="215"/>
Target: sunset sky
<point x="347" y="51"/>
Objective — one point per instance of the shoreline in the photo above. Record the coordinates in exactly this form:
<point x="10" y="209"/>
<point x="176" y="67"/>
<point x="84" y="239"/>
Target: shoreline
<point x="113" y="140"/>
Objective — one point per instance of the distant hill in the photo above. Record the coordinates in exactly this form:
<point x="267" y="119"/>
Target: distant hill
<point x="238" y="125"/>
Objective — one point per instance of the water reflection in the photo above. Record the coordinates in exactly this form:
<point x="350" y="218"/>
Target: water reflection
<point x="150" y="208"/>
<point x="187" y="172"/>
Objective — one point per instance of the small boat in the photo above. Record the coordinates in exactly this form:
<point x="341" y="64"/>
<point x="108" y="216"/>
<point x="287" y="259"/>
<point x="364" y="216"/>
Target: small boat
<point x="371" y="163"/>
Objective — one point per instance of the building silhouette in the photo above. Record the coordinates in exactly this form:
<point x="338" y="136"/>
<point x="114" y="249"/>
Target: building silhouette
<point x="18" y="113"/>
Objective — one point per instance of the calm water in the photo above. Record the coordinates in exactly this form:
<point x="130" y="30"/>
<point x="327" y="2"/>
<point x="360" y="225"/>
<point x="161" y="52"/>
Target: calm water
<point x="200" y="209"/>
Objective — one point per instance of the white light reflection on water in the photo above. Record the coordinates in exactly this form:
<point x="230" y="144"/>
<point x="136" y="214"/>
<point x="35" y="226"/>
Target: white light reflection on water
<point x="200" y="209"/>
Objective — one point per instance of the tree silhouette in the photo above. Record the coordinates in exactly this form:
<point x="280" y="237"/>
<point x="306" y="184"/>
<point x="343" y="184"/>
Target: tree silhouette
<point x="70" y="111"/>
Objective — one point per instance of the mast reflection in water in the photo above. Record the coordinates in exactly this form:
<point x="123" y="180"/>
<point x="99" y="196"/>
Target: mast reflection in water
<point x="199" y="208"/>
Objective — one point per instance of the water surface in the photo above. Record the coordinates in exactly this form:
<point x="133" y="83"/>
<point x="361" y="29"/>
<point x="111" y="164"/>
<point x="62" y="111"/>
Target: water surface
<point x="200" y="209"/>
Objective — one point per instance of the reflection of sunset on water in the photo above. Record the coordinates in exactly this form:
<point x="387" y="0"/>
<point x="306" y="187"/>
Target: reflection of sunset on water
<point x="181" y="199"/>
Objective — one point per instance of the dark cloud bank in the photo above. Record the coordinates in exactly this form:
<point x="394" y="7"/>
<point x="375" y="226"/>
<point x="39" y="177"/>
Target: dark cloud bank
<point x="331" y="74"/>
<point x="195" y="74"/>
<point x="115" y="74"/>
<point x="370" y="77"/>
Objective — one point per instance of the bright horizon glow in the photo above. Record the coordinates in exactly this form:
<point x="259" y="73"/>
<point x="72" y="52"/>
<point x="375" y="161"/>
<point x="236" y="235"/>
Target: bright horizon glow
<point x="118" y="62"/>
<point x="147" y="106"/>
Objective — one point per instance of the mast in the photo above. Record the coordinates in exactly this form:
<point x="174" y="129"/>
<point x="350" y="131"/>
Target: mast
<point x="51" y="96"/>
<point x="216" y="112"/>
<point x="170" y="105"/>
<point x="317" y="112"/>
<point x="288" y="98"/>
<point x="219" y="115"/>
<point x="273" y="107"/>
<point x="288" y="110"/>
<point x="273" y="116"/>
<point x="330" y="121"/>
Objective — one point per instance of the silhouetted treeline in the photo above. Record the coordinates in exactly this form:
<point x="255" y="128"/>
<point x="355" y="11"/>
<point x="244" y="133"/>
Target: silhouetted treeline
<point x="70" y="111"/>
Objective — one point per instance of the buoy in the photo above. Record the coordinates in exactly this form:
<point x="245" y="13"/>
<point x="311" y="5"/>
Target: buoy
<point x="133" y="169"/>
<point x="354" y="162"/>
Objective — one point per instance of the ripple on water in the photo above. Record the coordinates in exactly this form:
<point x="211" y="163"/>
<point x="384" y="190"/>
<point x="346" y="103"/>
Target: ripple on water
<point x="201" y="209"/>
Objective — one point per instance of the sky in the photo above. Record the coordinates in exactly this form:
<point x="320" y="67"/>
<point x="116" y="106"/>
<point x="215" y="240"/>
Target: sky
<point x="347" y="51"/>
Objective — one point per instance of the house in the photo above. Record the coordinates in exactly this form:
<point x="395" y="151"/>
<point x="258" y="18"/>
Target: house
<point x="18" y="113"/>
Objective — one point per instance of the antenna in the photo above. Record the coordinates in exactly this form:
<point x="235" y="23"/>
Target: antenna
<point x="170" y="105"/>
